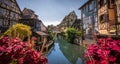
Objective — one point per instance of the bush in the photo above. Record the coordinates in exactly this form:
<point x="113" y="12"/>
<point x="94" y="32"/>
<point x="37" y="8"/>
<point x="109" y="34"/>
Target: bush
<point x="105" y="51"/>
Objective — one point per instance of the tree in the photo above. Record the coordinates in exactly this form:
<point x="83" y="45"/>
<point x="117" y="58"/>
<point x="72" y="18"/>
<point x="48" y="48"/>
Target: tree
<point x="71" y="34"/>
<point x="50" y="32"/>
<point x="78" y="34"/>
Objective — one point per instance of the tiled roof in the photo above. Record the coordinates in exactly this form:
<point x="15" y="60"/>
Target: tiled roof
<point x="41" y="33"/>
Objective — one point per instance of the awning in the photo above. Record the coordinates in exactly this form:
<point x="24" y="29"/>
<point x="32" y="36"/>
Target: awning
<point x="41" y="33"/>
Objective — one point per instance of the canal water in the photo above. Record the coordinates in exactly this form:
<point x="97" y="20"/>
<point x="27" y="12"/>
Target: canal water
<point x="64" y="53"/>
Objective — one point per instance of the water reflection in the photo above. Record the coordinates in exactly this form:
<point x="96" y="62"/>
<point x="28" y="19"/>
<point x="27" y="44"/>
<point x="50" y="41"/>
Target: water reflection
<point x="64" y="53"/>
<point x="56" y="56"/>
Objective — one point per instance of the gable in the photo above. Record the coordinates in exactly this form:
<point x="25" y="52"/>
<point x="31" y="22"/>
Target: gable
<point x="10" y="5"/>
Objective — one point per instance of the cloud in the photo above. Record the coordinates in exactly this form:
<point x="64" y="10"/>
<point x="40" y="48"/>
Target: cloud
<point x="49" y="22"/>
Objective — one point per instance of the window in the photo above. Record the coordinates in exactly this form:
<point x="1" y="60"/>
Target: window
<point x="118" y="6"/>
<point x="1" y="22"/>
<point x="14" y="15"/>
<point x="91" y="5"/>
<point x="6" y="2"/>
<point x="11" y="15"/>
<point x="101" y="3"/>
<point x="71" y="20"/>
<point x="17" y="16"/>
<point x="7" y="13"/>
<point x="0" y="10"/>
<point x="84" y="9"/>
<point x="12" y="0"/>
<point x="87" y="8"/>
<point x="5" y="23"/>
<point x="95" y="3"/>
<point x="102" y="18"/>
<point x="111" y="3"/>
<point x="0" y="2"/>
<point x="4" y="12"/>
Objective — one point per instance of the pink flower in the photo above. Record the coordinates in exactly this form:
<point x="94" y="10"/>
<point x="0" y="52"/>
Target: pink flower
<point x="104" y="62"/>
<point x="104" y="51"/>
<point x="92" y="62"/>
<point x="99" y="51"/>
<point x="14" y="49"/>
<point x="117" y="48"/>
<point x="9" y="49"/>
<point x="112" y="58"/>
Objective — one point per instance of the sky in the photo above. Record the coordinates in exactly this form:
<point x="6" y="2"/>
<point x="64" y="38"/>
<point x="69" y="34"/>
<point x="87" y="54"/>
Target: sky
<point x="51" y="11"/>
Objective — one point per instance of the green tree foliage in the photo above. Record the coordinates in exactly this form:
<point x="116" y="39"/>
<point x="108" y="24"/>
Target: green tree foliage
<point x="63" y="34"/>
<point x="71" y="34"/>
<point x="78" y="33"/>
<point x="50" y="37"/>
<point x="50" y="32"/>
<point x="19" y="30"/>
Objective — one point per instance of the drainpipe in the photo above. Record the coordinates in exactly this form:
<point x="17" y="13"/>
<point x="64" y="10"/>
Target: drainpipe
<point x="116" y="20"/>
<point x="107" y="15"/>
<point x="82" y="27"/>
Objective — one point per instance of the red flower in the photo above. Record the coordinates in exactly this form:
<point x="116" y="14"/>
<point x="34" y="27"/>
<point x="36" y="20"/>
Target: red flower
<point x="117" y="48"/>
<point x="104" y="62"/>
<point x="104" y="51"/>
<point x="14" y="49"/>
<point x="112" y="58"/>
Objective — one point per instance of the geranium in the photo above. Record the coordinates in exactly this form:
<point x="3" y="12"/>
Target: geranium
<point x="105" y="51"/>
<point x="13" y="50"/>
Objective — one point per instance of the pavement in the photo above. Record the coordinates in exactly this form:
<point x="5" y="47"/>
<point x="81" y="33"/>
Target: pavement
<point x="88" y="41"/>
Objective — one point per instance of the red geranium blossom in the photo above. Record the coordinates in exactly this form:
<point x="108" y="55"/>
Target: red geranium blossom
<point x="105" y="51"/>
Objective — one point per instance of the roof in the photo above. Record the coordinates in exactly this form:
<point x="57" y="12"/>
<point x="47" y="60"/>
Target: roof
<point x="85" y="4"/>
<point x="18" y="7"/>
<point x="41" y="33"/>
<point x="77" y="23"/>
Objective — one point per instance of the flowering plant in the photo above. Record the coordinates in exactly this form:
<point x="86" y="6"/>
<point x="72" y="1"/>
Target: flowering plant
<point x="14" y="51"/>
<point x="105" y="51"/>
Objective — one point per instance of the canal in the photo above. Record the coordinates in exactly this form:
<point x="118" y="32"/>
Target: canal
<point x="64" y="53"/>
